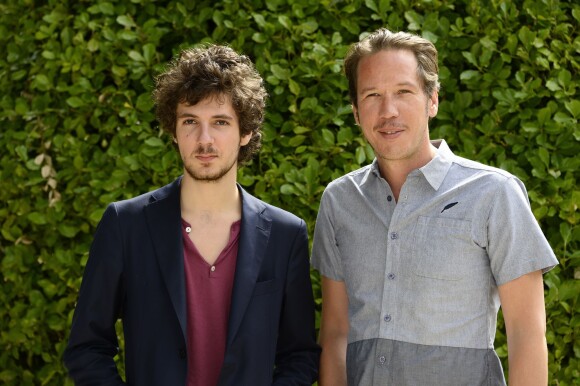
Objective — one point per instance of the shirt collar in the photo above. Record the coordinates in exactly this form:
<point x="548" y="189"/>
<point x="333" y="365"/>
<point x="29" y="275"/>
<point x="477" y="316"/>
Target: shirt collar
<point x="436" y="170"/>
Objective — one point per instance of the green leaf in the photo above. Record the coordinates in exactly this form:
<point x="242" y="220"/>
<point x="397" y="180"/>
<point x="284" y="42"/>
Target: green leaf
<point x="371" y="4"/>
<point x="285" y="21"/>
<point x="297" y="140"/>
<point x="309" y="103"/>
<point x="154" y="142"/>
<point x="259" y="37"/>
<point x="287" y="189"/>
<point x="259" y="19"/>
<point x="301" y="130"/>
<point x="544" y="156"/>
<point x="564" y="78"/>
<point x="126" y="21"/>
<point x="573" y="107"/>
<point x="22" y="152"/>
<point x="562" y="117"/>
<point x="136" y="56"/>
<point x="328" y="136"/>
<point x="360" y="155"/>
<point x="106" y="8"/>
<point x="526" y="36"/>
<point x="280" y="72"/>
<point x="42" y="82"/>
<point x="37" y="218"/>
<point x="75" y="102"/>
<point x="149" y="52"/>
<point x="576" y="14"/>
<point x="344" y="135"/>
<point x="144" y="102"/>
<point x="309" y="27"/>
<point x="67" y="230"/>
<point x="127" y="35"/>
<point x="469" y="75"/>
<point x="294" y="87"/>
<point x="552" y="85"/>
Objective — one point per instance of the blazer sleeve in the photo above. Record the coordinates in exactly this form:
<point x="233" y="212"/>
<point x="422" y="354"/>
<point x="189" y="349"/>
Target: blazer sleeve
<point x="297" y="353"/>
<point x="93" y="342"/>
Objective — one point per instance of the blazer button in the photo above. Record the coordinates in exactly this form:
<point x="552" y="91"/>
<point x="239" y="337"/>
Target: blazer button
<point x="182" y="353"/>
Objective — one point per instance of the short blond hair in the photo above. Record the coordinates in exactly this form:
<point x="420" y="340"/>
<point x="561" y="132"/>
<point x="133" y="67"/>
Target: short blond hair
<point x="383" y="39"/>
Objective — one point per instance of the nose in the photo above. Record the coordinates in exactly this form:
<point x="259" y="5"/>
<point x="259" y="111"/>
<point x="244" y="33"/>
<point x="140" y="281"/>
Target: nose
<point x="204" y="134"/>
<point x="388" y="108"/>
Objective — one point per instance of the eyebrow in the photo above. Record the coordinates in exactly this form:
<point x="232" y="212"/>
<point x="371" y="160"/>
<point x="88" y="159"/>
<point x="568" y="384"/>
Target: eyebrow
<point x="402" y="84"/>
<point x="218" y="116"/>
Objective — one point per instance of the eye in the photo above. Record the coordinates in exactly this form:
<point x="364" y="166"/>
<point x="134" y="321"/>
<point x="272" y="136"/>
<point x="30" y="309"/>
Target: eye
<point x="188" y="121"/>
<point x="221" y="122"/>
<point x="371" y="95"/>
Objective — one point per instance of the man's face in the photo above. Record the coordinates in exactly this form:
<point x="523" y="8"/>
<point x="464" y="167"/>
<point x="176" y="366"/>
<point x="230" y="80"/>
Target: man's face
<point x="393" y="110"/>
<point x="208" y="137"/>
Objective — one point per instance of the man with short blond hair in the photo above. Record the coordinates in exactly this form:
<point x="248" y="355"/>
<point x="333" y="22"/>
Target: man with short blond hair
<point x="418" y="249"/>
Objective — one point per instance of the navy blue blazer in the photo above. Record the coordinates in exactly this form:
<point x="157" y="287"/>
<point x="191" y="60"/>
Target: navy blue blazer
<point x="135" y="272"/>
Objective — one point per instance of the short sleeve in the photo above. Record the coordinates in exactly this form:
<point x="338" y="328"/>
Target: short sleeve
<point x="516" y="244"/>
<point x="325" y="253"/>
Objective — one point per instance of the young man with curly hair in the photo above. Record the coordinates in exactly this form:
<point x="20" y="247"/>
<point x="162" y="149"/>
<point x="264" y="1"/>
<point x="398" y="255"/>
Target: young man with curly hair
<point x="212" y="284"/>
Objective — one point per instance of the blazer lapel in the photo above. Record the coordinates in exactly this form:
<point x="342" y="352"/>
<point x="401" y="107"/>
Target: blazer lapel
<point x="254" y="235"/>
<point x="163" y="215"/>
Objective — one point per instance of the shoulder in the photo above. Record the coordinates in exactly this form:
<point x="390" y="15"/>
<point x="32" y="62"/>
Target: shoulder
<point x="487" y="183"/>
<point x="137" y="203"/>
<point x="479" y="168"/>
<point x="485" y="174"/>
<point x="349" y="182"/>
<point x="269" y="211"/>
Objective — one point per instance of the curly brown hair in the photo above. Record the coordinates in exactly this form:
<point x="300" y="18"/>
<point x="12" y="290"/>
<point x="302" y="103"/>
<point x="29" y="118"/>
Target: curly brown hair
<point x="213" y="70"/>
<point x="383" y="39"/>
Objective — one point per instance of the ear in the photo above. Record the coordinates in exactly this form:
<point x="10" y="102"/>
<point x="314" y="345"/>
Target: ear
<point x="433" y="104"/>
<point x="174" y="140"/>
<point x="245" y="139"/>
<point x="355" y="113"/>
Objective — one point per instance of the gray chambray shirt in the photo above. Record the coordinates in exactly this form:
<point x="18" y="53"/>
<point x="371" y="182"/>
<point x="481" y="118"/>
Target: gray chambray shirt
<point x="422" y="273"/>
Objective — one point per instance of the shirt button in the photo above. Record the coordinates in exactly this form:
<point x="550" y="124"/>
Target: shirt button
<point x="389" y="198"/>
<point x="212" y="268"/>
<point x="391" y="276"/>
<point x="387" y="318"/>
<point x="394" y="236"/>
<point x="382" y="359"/>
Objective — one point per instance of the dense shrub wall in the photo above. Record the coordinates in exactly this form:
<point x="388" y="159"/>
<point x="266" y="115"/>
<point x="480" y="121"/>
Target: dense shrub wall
<point x="77" y="130"/>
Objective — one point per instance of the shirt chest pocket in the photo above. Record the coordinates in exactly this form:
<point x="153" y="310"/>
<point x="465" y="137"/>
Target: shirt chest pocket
<point x="443" y="248"/>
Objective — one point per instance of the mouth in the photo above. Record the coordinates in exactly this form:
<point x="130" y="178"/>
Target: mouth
<point x="205" y="157"/>
<point x="390" y="133"/>
<point x="389" y="129"/>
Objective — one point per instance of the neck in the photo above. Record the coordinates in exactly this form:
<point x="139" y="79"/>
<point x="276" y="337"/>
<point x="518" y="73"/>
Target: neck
<point x="396" y="171"/>
<point x="209" y="196"/>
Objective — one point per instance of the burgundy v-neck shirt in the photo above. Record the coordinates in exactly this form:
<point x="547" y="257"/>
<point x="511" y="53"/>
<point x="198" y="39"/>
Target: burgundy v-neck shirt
<point x="208" y="295"/>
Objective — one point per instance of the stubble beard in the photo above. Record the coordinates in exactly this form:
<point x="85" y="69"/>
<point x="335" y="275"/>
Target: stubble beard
<point x="393" y="155"/>
<point x="206" y="177"/>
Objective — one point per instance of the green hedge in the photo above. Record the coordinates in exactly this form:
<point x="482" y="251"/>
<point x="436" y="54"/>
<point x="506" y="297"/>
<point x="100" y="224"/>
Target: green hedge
<point x="77" y="130"/>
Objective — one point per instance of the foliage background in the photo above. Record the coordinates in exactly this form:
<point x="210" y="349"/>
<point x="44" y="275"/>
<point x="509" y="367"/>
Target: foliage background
<point x="77" y="130"/>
